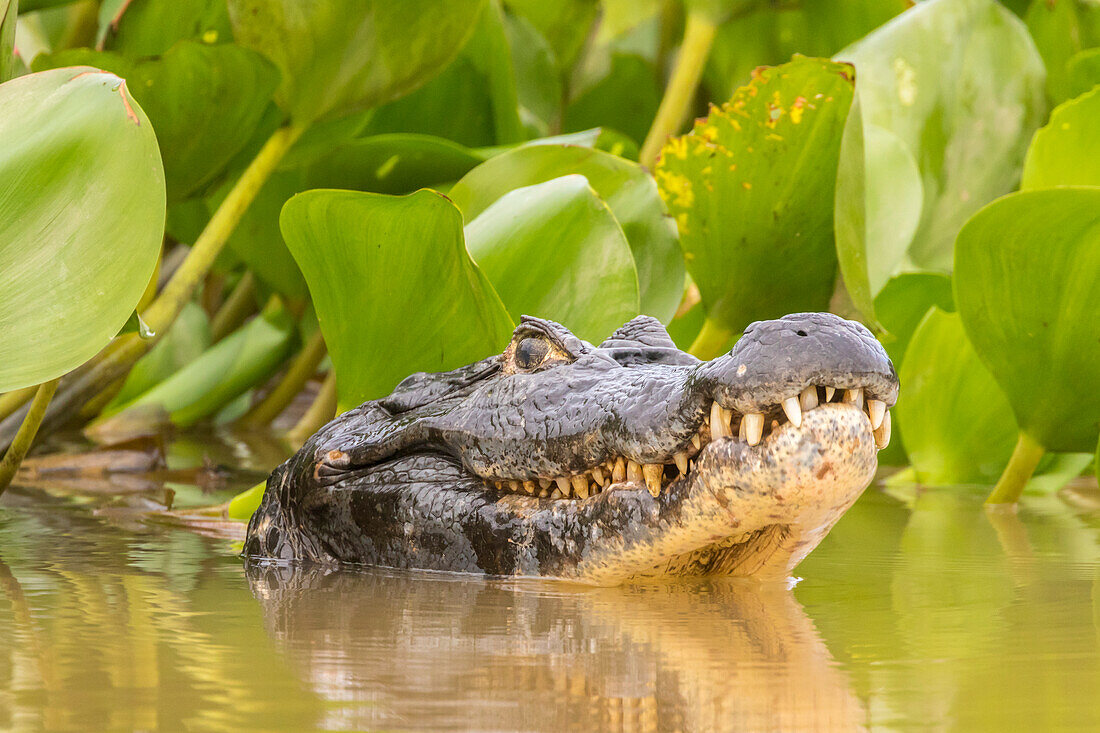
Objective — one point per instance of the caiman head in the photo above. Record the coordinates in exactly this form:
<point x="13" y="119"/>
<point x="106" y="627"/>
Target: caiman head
<point x="601" y="463"/>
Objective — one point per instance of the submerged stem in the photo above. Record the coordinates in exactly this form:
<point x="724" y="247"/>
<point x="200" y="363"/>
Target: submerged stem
<point x="699" y="33"/>
<point x="23" y="439"/>
<point x="1020" y="467"/>
<point x="712" y="337"/>
<point x="301" y="369"/>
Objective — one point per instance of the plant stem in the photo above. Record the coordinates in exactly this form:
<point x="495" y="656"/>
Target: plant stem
<point x="699" y="33"/>
<point x="240" y="304"/>
<point x="23" y="439"/>
<point x="712" y="337"/>
<point x="320" y="412"/>
<point x="1024" y="459"/>
<point x="12" y="401"/>
<point x="301" y="369"/>
<point x="116" y="360"/>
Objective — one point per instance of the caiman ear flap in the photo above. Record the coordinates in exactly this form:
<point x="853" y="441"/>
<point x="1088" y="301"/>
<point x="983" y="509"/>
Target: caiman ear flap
<point x="640" y="331"/>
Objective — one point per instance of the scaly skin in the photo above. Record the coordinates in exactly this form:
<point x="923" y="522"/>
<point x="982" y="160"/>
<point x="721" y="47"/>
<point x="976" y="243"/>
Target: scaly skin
<point x="430" y="477"/>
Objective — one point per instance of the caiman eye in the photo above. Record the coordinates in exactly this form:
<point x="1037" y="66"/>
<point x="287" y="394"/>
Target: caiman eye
<point x="530" y="352"/>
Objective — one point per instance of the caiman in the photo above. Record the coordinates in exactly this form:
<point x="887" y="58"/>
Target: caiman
<point x="597" y="464"/>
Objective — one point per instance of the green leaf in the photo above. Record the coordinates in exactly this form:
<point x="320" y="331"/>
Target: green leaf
<point x="903" y="303"/>
<point x="184" y="342"/>
<point x="955" y="422"/>
<point x="9" y="11"/>
<point x="538" y="78"/>
<point x="1027" y="275"/>
<point x="1066" y="152"/>
<point x="878" y="204"/>
<point x="564" y="23"/>
<point x="81" y="218"/>
<point x="1083" y="71"/>
<point x="223" y="372"/>
<point x="554" y="250"/>
<point x="752" y="190"/>
<point x="337" y="56"/>
<point x="243" y="505"/>
<point x="439" y="311"/>
<point x="205" y="102"/>
<point x="624" y="99"/>
<point x="960" y="83"/>
<point x="1055" y="29"/>
<point x="139" y="28"/>
<point x="472" y="101"/>
<point x="628" y="190"/>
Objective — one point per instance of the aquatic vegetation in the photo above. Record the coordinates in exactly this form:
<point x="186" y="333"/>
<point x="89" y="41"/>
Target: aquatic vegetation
<point x="208" y="209"/>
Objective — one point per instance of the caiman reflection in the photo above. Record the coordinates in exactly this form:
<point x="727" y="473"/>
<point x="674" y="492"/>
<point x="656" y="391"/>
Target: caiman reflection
<point x="598" y="464"/>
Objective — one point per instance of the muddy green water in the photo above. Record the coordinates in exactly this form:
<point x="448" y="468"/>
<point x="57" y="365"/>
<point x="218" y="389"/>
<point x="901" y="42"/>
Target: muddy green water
<point x="918" y="612"/>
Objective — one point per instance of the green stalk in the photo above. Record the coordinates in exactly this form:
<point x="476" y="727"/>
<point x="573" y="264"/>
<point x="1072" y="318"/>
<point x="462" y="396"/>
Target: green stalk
<point x="699" y="33"/>
<point x="320" y="412"/>
<point x="12" y="401"/>
<point x="17" y="451"/>
<point x="240" y="304"/>
<point x="712" y="337"/>
<point x="301" y="370"/>
<point x="1020" y="467"/>
<point x="116" y="360"/>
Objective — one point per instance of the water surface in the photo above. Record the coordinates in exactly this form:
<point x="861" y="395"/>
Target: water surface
<point x="919" y="612"/>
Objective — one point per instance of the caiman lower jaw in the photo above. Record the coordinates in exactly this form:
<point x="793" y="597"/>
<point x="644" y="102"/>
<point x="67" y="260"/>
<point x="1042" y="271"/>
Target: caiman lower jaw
<point x="748" y="510"/>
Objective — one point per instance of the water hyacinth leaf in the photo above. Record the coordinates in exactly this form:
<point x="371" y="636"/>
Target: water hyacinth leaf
<point x="878" y="204"/>
<point x="439" y="311"/>
<point x="81" y="218"/>
<point x="205" y="103"/>
<point x="752" y="187"/>
<point x="1056" y="31"/>
<point x="538" y="78"/>
<point x="140" y="28"/>
<point x="903" y="303"/>
<point x="626" y="188"/>
<point x="223" y="372"/>
<point x="472" y="101"/>
<point x="337" y="56"/>
<point x="960" y="83"/>
<point x="1027" y="275"/>
<point x="1083" y="71"/>
<point x="564" y="24"/>
<point x="625" y="99"/>
<point x="955" y="421"/>
<point x="1066" y="152"/>
<point x="9" y="11"/>
<point x="555" y="250"/>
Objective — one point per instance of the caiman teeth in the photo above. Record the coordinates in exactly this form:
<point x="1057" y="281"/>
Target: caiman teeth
<point x="793" y="410"/>
<point x="718" y="423"/>
<point x="754" y="427"/>
<point x="876" y="410"/>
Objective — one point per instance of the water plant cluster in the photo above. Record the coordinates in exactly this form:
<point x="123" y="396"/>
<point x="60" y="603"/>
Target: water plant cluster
<point x="206" y="205"/>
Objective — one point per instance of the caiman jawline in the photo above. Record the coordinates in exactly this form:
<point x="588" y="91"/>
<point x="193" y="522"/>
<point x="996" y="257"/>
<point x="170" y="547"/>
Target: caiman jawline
<point x="754" y="428"/>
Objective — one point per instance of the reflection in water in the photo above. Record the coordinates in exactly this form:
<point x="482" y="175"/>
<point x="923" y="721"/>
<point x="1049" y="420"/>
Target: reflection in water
<point x="919" y="612"/>
<point x="705" y="656"/>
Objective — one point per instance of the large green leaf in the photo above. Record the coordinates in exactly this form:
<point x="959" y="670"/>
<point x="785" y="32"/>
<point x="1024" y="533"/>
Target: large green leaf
<point x="878" y="204"/>
<point x="139" y="28"/>
<point x="81" y="218"/>
<point x="1067" y="151"/>
<point x="394" y="288"/>
<point x="223" y="372"/>
<point x="538" y="78"/>
<point x="752" y="190"/>
<point x="1027" y="279"/>
<point x="960" y="83"/>
<point x="9" y="11"/>
<point x="204" y="101"/>
<point x="555" y="250"/>
<point x="337" y="56"/>
<point x="472" y="101"/>
<point x="564" y="23"/>
<point x="955" y="421"/>
<point x="1083" y="71"/>
<point x="624" y="99"/>
<point x="1056" y="31"/>
<point x="628" y="190"/>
